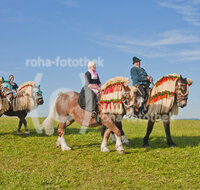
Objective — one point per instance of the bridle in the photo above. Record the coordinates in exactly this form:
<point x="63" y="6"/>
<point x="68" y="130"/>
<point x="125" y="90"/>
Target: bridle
<point x="126" y="106"/>
<point x="182" y="96"/>
<point x="5" y="93"/>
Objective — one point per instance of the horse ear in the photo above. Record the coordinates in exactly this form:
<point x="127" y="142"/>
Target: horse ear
<point x="39" y="86"/>
<point x="2" y="80"/>
<point x="190" y="81"/>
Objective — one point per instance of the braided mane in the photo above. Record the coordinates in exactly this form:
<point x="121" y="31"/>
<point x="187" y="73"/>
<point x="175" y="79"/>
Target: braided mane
<point x="163" y="96"/>
<point x="25" y="85"/>
<point x="23" y="99"/>
<point x="112" y="95"/>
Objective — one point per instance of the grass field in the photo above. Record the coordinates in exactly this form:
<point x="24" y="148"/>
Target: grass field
<point x="33" y="162"/>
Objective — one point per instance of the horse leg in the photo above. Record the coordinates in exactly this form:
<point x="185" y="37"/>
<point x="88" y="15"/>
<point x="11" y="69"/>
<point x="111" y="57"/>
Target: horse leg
<point x="19" y="127"/>
<point x="112" y="136"/>
<point x="149" y="130"/>
<point x="124" y="138"/>
<point x="61" y="130"/>
<point x="103" y="130"/>
<point x="23" y="120"/>
<point x="168" y="134"/>
<point x="26" y="127"/>
<point x="61" y="140"/>
<point x="111" y="125"/>
<point x="104" y="143"/>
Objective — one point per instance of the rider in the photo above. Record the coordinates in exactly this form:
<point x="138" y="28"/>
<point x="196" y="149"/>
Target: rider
<point x="13" y="84"/>
<point x="140" y="80"/>
<point x="90" y="92"/>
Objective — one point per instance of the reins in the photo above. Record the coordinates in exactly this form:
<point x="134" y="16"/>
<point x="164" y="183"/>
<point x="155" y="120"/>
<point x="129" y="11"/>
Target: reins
<point x="183" y="96"/>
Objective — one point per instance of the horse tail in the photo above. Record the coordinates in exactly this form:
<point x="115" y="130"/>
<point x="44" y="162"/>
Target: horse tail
<point x="48" y="122"/>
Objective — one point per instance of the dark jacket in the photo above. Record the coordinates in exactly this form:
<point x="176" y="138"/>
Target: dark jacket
<point x="139" y="76"/>
<point x="87" y="98"/>
<point x="89" y="80"/>
<point x="14" y="86"/>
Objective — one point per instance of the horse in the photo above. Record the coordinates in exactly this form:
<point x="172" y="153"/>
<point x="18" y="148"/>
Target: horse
<point x="68" y="110"/>
<point x="159" y="108"/>
<point x="5" y="95"/>
<point x="27" y="98"/>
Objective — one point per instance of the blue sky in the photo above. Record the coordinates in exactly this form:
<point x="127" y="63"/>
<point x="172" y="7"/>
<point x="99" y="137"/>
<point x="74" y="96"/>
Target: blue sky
<point x="164" y="34"/>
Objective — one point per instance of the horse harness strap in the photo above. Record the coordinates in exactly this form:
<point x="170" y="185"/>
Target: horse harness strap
<point x="184" y="96"/>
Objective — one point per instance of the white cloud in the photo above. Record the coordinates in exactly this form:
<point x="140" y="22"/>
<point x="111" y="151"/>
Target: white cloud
<point x="132" y="49"/>
<point x="189" y="9"/>
<point x="162" y="45"/>
<point x="189" y="55"/>
<point x="172" y="37"/>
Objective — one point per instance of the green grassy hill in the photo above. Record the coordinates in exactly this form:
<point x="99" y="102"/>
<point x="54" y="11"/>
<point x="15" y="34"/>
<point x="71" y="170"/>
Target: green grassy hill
<point x="34" y="162"/>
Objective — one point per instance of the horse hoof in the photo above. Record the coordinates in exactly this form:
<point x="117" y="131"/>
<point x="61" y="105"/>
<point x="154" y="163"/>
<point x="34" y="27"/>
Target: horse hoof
<point x="27" y="132"/>
<point x="19" y="132"/>
<point x="66" y="148"/>
<point x="105" y="149"/>
<point x="120" y="151"/>
<point x="126" y="142"/>
<point x="172" y="145"/>
<point x="145" y="145"/>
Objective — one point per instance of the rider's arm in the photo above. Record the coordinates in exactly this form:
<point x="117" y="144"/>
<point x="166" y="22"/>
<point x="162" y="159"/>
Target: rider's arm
<point x="98" y="81"/>
<point x="134" y="76"/>
<point x="88" y="79"/>
<point x="14" y="91"/>
<point x="15" y="87"/>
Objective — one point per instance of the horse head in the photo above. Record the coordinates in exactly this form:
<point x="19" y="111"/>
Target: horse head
<point x="6" y="89"/>
<point x="128" y="100"/>
<point x="37" y="95"/>
<point x="182" y="91"/>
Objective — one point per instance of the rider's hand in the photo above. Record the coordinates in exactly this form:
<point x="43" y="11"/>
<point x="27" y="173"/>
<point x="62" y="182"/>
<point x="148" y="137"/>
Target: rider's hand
<point x="149" y="79"/>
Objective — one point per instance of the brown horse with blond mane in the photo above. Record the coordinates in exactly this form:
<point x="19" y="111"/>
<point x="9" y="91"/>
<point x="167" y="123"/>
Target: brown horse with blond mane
<point x="68" y="111"/>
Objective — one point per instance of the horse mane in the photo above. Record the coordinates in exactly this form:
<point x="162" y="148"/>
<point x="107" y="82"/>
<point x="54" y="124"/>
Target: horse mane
<point x="162" y="98"/>
<point x="115" y="80"/>
<point x="25" y="85"/>
<point x="112" y="95"/>
<point x="23" y="99"/>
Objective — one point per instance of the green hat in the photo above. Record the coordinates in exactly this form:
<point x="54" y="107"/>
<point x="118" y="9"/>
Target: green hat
<point x="135" y="59"/>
